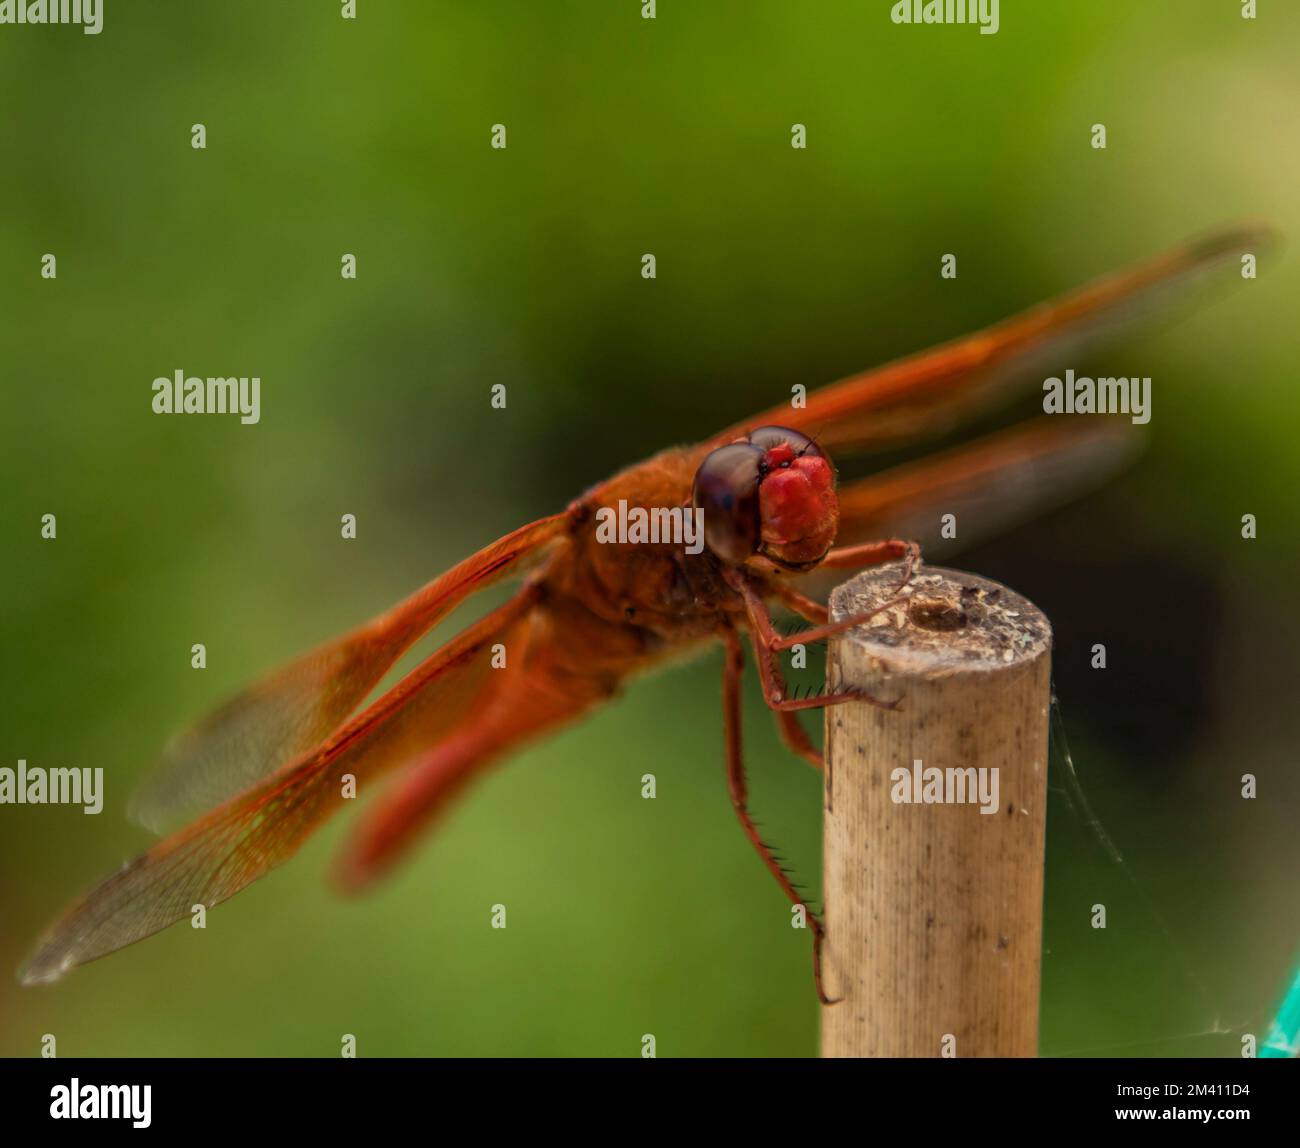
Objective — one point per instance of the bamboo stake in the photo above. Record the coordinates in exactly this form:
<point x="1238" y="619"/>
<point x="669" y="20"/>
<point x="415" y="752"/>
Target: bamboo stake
<point x="934" y="910"/>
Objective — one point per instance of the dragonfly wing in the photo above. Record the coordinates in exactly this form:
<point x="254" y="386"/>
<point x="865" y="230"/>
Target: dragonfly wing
<point x="990" y="484"/>
<point x="242" y="840"/>
<point x="528" y="699"/>
<point x="294" y="709"/>
<point x="929" y="393"/>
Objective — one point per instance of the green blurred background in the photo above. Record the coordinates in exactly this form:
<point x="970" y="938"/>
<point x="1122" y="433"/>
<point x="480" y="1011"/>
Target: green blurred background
<point x="522" y="267"/>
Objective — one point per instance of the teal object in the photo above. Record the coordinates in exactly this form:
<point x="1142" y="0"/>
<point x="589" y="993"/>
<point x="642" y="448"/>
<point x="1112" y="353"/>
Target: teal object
<point x="1284" y="1036"/>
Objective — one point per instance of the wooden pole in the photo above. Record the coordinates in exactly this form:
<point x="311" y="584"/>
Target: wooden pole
<point x="934" y="907"/>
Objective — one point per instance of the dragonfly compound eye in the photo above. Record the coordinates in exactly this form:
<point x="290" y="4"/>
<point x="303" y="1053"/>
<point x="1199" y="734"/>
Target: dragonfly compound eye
<point x="772" y="493"/>
<point x="775" y="438"/>
<point x="798" y="512"/>
<point x="726" y="489"/>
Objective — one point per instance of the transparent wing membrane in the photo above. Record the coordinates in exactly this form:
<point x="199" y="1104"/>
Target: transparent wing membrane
<point x="931" y="392"/>
<point x="213" y="859"/>
<point x="294" y="709"/>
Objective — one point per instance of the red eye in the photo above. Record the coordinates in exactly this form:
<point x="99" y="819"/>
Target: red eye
<point x="726" y="489"/>
<point x="773" y="494"/>
<point x="785" y="443"/>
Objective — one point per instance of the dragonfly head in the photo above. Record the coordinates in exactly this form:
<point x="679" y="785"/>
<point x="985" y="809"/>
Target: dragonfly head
<point x="769" y="495"/>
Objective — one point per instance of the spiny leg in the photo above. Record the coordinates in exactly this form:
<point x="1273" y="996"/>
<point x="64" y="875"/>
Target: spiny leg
<point x="792" y="733"/>
<point x="807" y="608"/>
<point x="874" y="553"/>
<point x="869" y="554"/>
<point x="733" y="666"/>
<point x="768" y="643"/>
<point x="796" y="738"/>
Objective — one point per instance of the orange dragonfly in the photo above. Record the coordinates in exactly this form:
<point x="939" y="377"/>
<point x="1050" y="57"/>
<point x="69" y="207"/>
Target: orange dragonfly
<point x="273" y="763"/>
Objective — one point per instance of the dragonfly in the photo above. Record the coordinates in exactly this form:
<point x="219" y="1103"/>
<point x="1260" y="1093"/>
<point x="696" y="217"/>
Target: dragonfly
<point x="590" y="613"/>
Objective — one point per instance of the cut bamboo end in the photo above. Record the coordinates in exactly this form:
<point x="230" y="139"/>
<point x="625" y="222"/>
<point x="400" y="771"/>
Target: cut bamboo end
<point x="934" y="818"/>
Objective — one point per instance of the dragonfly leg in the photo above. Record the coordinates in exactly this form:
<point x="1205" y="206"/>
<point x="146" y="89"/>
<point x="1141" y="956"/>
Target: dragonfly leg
<point x="870" y="554"/>
<point x="792" y="733"/>
<point x="874" y="553"/>
<point x="796" y="738"/>
<point x="739" y="790"/>
<point x="768" y="643"/>
<point x="807" y="608"/>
